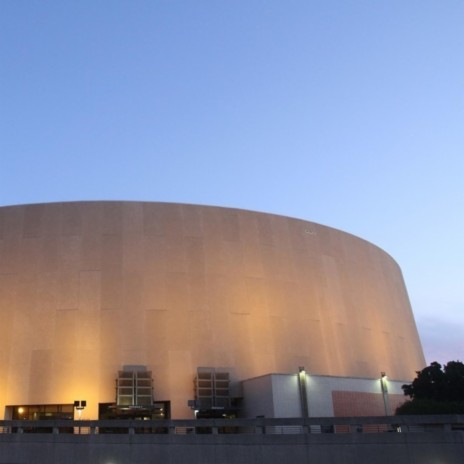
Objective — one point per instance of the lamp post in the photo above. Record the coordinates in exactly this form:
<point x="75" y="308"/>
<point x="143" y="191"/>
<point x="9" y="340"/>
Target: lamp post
<point x="302" y="390"/>
<point x="384" y="388"/>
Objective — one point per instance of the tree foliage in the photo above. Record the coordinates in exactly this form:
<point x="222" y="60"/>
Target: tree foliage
<point x="436" y="390"/>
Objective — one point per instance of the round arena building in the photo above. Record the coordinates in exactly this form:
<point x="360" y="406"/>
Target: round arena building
<point x="91" y="290"/>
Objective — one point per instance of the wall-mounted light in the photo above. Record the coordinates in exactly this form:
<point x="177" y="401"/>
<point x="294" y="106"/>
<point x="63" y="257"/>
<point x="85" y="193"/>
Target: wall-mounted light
<point x="383" y="382"/>
<point x="79" y="405"/>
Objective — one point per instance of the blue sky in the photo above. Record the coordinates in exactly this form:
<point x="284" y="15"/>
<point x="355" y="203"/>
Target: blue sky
<point x="347" y="113"/>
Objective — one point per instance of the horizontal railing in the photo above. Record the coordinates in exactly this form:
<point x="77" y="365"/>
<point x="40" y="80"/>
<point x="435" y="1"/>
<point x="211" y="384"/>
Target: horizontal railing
<point x="324" y="425"/>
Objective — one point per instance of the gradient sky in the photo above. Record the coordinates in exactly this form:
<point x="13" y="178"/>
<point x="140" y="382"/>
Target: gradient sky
<point x="347" y="113"/>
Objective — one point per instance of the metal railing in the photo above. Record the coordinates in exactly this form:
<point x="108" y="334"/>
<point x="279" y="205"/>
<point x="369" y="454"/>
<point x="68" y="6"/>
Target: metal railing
<point x="324" y="425"/>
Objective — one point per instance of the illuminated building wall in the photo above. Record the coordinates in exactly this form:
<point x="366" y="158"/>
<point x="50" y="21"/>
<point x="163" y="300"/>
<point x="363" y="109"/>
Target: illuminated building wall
<point x="88" y="287"/>
<point x="279" y="395"/>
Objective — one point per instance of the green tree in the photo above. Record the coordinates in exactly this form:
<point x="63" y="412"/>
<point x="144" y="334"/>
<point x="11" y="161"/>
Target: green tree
<point x="436" y="390"/>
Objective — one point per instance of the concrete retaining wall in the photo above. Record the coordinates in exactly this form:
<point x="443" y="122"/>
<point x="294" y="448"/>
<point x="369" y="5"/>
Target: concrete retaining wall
<point x="411" y="448"/>
<point x="399" y="440"/>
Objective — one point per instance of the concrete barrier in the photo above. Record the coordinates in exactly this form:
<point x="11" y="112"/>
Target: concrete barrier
<point x="399" y="440"/>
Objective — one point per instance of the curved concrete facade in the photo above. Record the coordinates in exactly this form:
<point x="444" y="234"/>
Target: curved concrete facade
<point x="88" y="287"/>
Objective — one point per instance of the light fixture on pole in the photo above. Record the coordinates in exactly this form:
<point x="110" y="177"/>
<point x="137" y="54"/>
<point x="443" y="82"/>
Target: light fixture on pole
<point x="302" y="390"/>
<point x="384" y="389"/>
